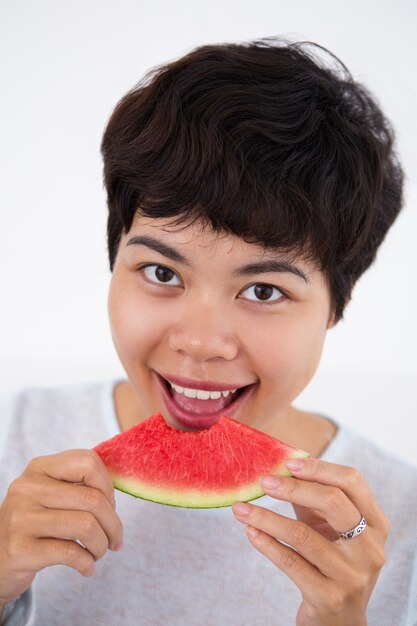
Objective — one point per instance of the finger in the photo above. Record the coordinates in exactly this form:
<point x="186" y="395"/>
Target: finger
<point x="331" y="502"/>
<point x="75" y="466"/>
<point x="58" y="495"/>
<point x="91" y="500"/>
<point x="47" y="552"/>
<point x="298" y="569"/>
<point x="348" y="479"/>
<point x="316" y="522"/>
<point x="319" y="552"/>
<point x="70" y="525"/>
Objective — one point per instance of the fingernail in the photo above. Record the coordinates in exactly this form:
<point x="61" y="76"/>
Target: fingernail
<point x="240" y="508"/>
<point x="252" y="532"/>
<point x="117" y="546"/>
<point x="271" y="482"/>
<point x="294" y="464"/>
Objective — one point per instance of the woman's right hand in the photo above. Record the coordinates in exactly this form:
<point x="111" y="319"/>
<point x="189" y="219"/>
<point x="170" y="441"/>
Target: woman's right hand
<point x="56" y="501"/>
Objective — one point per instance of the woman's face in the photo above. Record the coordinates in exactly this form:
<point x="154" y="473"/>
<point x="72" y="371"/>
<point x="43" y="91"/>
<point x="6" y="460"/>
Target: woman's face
<point x="211" y="314"/>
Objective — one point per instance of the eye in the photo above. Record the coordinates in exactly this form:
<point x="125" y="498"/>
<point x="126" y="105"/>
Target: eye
<point x="160" y="275"/>
<point x="263" y="293"/>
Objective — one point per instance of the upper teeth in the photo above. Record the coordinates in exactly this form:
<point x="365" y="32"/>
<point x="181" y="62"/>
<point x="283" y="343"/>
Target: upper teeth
<point x="200" y="394"/>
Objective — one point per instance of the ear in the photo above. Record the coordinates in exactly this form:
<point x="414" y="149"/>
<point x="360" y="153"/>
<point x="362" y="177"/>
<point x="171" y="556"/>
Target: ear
<point x="331" y="322"/>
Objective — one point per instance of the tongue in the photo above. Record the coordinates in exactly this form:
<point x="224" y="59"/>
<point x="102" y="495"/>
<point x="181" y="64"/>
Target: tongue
<point x="201" y="407"/>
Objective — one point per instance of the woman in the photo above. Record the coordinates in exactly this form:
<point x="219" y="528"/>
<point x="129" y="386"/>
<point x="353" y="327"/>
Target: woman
<point x="249" y="187"/>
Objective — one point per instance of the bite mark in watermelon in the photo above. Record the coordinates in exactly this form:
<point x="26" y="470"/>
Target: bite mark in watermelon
<point x="206" y="469"/>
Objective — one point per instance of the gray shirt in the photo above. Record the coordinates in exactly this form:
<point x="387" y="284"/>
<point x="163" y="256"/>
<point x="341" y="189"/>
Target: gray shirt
<point x="187" y="567"/>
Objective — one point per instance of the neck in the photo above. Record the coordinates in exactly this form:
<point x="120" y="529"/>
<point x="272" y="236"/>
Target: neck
<point x="307" y="431"/>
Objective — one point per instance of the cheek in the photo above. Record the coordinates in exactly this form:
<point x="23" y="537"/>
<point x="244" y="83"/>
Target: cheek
<point x="135" y="325"/>
<point x="289" y="352"/>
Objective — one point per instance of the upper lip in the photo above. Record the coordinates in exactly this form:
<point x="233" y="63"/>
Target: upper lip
<point x="204" y="386"/>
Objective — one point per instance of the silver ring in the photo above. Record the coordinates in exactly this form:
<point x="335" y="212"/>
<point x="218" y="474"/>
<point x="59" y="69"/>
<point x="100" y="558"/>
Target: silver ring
<point x="354" y="532"/>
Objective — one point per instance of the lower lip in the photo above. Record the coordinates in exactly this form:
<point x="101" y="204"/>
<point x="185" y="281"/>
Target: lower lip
<point x="200" y="422"/>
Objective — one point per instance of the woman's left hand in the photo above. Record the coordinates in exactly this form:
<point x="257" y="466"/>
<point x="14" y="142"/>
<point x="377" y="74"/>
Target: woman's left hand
<point x="335" y="576"/>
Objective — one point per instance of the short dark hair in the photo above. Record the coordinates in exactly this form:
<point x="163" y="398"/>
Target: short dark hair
<point x="264" y="140"/>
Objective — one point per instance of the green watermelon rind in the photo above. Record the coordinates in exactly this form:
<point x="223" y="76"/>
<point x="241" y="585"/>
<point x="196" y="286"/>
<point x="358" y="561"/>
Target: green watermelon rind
<point x="195" y="499"/>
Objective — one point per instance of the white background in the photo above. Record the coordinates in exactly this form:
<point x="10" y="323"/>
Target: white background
<point x="63" y="67"/>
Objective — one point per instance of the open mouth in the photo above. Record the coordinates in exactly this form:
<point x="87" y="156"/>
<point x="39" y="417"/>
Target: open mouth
<point x="198" y="409"/>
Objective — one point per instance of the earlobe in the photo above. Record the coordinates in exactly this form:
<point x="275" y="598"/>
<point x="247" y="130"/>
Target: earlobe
<point x="331" y="322"/>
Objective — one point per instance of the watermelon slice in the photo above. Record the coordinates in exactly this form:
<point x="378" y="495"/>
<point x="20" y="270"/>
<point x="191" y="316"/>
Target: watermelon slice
<point x="210" y="468"/>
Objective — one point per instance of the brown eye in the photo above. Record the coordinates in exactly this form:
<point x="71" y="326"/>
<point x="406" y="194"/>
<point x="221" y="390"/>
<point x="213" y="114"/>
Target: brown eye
<point x="263" y="293"/>
<point x="161" y="275"/>
<point x="164" y="274"/>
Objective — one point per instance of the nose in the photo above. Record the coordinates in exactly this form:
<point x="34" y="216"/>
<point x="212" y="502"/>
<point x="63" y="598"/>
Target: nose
<point x="204" y="334"/>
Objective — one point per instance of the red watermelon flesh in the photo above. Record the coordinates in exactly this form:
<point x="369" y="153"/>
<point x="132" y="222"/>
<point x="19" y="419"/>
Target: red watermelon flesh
<point x="206" y="469"/>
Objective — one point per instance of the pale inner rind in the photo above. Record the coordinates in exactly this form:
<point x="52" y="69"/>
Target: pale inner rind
<point x="197" y="498"/>
<point x="188" y="498"/>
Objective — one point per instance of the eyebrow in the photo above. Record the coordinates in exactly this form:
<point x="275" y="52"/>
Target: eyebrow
<point x="257" y="267"/>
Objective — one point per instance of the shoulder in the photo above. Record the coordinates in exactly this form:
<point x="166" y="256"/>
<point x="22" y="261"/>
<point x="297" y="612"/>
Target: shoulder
<point x="38" y="404"/>
<point x="35" y="398"/>
<point x="42" y="420"/>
